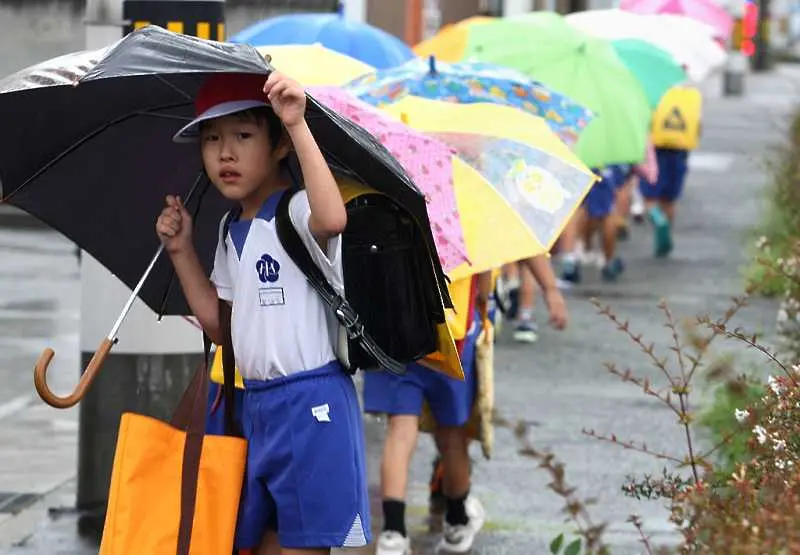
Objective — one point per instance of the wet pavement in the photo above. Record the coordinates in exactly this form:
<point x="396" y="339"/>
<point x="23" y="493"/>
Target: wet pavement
<point x="558" y="383"/>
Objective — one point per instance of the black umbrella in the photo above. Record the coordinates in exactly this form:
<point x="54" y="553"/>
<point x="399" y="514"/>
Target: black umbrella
<point x="87" y="148"/>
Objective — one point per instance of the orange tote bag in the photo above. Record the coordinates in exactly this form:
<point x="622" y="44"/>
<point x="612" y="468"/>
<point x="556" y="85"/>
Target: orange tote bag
<point x="174" y="490"/>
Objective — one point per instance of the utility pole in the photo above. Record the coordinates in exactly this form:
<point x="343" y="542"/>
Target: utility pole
<point x="762" y="58"/>
<point x="413" y="31"/>
<point x="148" y="371"/>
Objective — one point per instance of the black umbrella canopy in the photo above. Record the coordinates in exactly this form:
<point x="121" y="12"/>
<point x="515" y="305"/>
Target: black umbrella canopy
<point x="87" y="148"/>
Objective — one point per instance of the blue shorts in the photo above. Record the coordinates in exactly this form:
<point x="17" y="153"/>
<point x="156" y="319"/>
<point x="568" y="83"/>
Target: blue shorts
<point x="215" y="421"/>
<point x="673" y="166"/>
<point x="449" y="399"/>
<point x="621" y="173"/>
<point x="599" y="202"/>
<point x="306" y="465"/>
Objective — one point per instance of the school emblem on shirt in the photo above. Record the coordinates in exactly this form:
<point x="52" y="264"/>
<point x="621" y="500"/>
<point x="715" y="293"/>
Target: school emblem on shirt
<point x="267" y="269"/>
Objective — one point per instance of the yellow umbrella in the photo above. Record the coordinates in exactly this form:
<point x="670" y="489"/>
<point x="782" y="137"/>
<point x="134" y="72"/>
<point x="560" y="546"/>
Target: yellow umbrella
<point x="313" y="64"/>
<point x="538" y="182"/>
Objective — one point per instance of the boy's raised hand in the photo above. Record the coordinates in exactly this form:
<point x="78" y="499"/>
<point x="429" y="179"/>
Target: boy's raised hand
<point x="287" y="97"/>
<point x="174" y="226"/>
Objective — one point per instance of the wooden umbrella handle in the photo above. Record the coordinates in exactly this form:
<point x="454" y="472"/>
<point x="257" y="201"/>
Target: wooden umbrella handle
<point x="88" y="376"/>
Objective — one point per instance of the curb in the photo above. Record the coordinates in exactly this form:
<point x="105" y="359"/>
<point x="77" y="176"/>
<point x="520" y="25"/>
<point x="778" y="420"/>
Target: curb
<point x="18" y="528"/>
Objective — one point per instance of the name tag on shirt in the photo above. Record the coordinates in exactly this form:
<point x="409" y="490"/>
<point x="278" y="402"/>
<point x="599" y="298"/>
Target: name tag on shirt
<point x="271" y="296"/>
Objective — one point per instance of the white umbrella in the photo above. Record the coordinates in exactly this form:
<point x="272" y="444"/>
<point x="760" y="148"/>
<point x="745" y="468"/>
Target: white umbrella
<point x="690" y="42"/>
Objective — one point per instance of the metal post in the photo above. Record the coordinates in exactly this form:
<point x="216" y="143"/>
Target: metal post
<point x="762" y="58"/>
<point x="149" y="369"/>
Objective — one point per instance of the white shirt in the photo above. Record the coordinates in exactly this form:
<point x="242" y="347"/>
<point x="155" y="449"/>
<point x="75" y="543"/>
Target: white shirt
<point x="279" y="324"/>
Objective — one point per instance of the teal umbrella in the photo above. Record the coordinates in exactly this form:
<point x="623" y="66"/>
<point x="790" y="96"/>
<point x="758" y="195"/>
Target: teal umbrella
<point x="656" y="69"/>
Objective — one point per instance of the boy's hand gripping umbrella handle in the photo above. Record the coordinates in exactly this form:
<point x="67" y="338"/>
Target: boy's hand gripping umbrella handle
<point x="100" y="356"/>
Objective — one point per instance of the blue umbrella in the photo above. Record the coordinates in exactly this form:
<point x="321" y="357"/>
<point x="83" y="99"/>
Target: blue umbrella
<point x="361" y="41"/>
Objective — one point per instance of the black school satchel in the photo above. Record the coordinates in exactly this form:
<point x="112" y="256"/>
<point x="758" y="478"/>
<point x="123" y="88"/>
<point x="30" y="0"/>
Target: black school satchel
<point x="389" y="311"/>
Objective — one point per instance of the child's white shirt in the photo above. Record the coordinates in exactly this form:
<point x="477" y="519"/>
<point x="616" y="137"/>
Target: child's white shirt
<point x="279" y="324"/>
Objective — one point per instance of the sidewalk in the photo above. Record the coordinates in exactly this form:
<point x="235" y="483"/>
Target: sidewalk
<point x="558" y="383"/>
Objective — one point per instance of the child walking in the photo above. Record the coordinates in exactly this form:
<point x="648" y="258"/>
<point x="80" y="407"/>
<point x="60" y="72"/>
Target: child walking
<point x="305" y="487"/>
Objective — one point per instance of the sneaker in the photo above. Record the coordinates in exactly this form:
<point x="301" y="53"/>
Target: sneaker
<point x="459" y="538"/>
<point x="571" y="271"/>
<point x="662" y="234"/>
<point x="393" y="543"/>
<point x="526" y="331"/>
<point x="613" y="269"/>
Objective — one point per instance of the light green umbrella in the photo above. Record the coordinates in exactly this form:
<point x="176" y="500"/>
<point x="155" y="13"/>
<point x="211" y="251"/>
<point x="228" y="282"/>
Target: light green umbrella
<point x="546" y="48"/>
<point x="656" y="69"/>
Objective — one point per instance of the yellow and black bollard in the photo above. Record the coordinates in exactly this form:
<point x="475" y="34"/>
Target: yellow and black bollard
<point x="200" y="18"/>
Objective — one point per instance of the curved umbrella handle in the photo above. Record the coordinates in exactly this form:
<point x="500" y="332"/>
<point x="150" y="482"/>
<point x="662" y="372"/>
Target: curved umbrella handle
<point x="40" y="376"/>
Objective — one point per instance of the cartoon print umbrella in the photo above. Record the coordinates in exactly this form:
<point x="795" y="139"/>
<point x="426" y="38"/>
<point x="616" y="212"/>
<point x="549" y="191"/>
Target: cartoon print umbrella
<point x="470" y="82"/>
<point x="539" y="177"/>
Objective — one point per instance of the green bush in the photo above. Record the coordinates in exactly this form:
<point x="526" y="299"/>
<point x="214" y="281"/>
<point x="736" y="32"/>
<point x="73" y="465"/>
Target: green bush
<point x="777" y="236"/>
<point x="719" y="422"/>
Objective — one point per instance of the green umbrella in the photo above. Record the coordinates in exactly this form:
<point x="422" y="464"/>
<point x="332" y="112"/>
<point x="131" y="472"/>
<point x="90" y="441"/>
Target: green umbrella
<point x="547" y="49"/>
<point x="656" y="69"/>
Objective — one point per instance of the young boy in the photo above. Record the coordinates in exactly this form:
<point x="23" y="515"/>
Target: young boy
<point x="305" y="485"/>
<point x="451" y="402"/>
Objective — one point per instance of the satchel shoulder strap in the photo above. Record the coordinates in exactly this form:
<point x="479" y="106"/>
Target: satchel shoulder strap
<point x="345" y="313"/>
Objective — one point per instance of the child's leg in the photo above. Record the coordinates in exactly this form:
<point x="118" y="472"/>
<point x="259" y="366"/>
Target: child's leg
<point x="608" y="226"/>
<point x="525" y="329"/>
<point x="401" y="397"/>
<point x="451" y="402"/>
<point x="570" y="266"/>
<point x="512" y="277"/>
<point x="662" y="233"/>
<point x="398" y="448"/>
<point x="269" y="545"/>
<point x="679" y="167"/>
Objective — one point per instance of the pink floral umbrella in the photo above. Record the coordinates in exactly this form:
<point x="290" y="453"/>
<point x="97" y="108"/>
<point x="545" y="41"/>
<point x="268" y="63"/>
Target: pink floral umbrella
<point x="426" y="160"/>
<point x="705" y="11"/>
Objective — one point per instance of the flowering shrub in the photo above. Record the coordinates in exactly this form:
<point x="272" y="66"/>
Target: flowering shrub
<point x="757" y="509"/>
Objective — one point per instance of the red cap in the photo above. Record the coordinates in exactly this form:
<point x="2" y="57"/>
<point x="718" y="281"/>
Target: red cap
<point x="221" y="95"/>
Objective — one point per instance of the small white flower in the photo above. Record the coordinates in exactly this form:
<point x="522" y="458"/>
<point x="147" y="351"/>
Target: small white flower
<point x="761" y="434"/>
<point x="796" y="368"/>
<point x="762" y="242"/>
<point x="780" y="464"/>
<point x="780" y="444"/>
<point x="774" y="385"/>
<point x="741" y="415"/>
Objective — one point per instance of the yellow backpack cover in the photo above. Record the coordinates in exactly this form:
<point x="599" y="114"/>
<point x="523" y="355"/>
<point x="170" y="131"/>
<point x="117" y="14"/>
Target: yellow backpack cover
<point x="676" y="121"/>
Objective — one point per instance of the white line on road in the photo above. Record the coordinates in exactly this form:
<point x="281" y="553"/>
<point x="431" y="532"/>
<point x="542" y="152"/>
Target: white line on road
<point x="15" y="405"/>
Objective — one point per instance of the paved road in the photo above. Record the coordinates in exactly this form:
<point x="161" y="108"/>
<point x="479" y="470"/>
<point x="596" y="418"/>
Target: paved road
<point x="559" y="383"/>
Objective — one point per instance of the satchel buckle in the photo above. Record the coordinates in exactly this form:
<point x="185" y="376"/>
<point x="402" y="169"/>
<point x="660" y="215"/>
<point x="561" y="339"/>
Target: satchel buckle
<point x="349" y="319"/>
